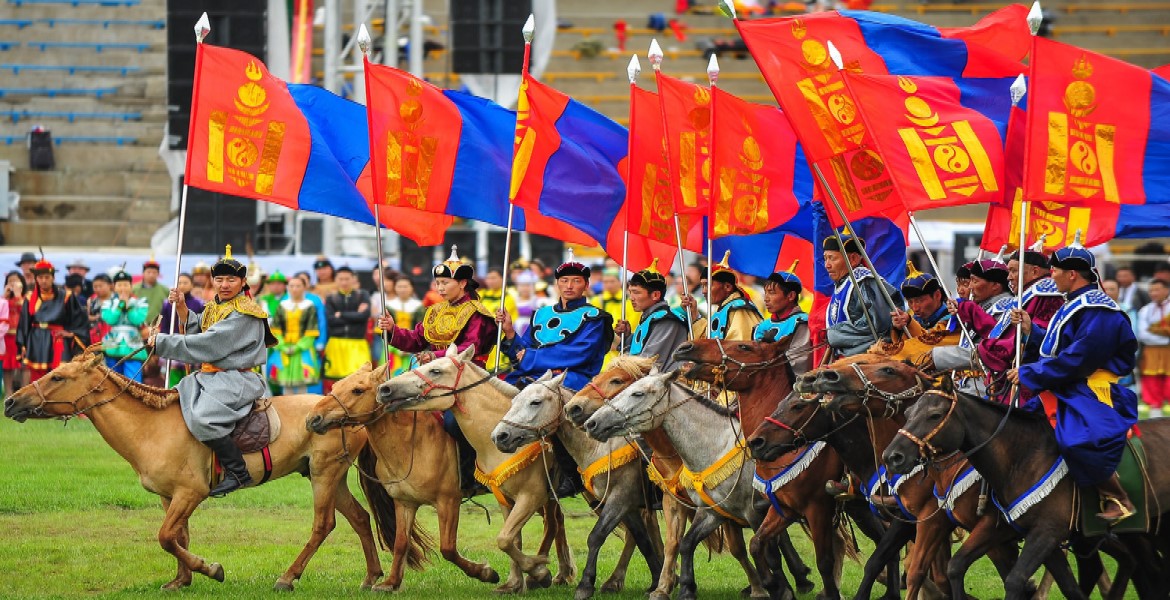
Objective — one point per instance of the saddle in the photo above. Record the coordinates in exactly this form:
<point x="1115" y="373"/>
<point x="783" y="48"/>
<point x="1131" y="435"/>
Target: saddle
<point x="255" y="431"/>
<point x="1132" y="472"/>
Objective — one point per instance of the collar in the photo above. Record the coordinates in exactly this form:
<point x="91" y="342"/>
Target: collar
<point x="571" y="306"/>
<point x="936" y="316"/>
<point x="1069" y="297"/>
<point x="661" y="304"/>
<point x="795" y="310"/>
<point x="732" y="297"/>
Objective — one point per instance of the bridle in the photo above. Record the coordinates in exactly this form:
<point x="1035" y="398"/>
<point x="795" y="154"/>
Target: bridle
<point x="38" y="410"/>
<point x="720" y="371"/>
<point x="925" y="448"/>
<point x="357" y="419"/>
<point x="893" y="400"/>
<point x="548" y="427"/>
<point x="448" y="390"/>
<point x="799" y="438"/>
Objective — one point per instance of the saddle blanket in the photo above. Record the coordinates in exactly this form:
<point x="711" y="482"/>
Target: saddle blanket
<point x="1133" y="465"/>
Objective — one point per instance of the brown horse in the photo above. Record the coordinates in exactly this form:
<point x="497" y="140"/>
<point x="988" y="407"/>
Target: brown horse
<point x="145" y="426"/>
<point x="761" y="376"/>
<point x="414" y="459"/>
<point x="623" y="371"/>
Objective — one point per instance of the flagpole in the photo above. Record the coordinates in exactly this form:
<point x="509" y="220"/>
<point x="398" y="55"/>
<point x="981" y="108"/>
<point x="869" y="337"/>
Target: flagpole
<point x="713" y="79"/>
<point x="528" y="32"/>
<point x="632" y="71"/>
<point x="655" y="55"/>
<point x="202" y="28"/>
<point x="938" y="272"/>
<point x="364" y="42"/>
<point x="1018" y="89"/>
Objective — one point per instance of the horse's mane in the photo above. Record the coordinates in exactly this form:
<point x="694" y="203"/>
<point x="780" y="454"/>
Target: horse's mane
<point x="704" y="401"/>
<point x="157" y="398"/>
<point x="634" y="366"/>
<point x="1017" y="412"/>
<point x="501" y="386"/>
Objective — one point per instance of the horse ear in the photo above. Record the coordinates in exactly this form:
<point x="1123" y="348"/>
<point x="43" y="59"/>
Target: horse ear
<point x="653" y="370"/>
<point x="946" y="383"/>
<point x="560" y="379"/>
<point x="98" y="359"/>
<point x="464" y="356"/>
<point x="545" y="377"/>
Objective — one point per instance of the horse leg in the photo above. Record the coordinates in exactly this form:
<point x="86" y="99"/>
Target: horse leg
<point x="611" y="515"/>
<point x="404" y="513"/>
<point x="676" y="521"/>
<point x="1003" y="557"/>
<point x="1041" y="547"/>
<point x="645" y="542"/>
<point x="172" y="534"/>
<point x="509" y="542"/>
<point x="827" y="546"/>
<point x="705" y="523"/>
<point x="796" y="565"/>
<point x="324" y="492"/>
<point x="928" y="541"/>
<point x="762" y="545"/>
<point x="984" y="536"/>
<point x="447" y="508"/>
<point x="359" y="521"/>
<point x="738" y="550"/>
<point x="183" y="573"/>
<point x="566" y="564"/>
<point x="885" y="555"/>
<point x="617" y="579"/>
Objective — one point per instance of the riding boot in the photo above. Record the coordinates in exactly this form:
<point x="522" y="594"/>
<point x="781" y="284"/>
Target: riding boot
<point x="1115" y="503"/>
<point x="235" y="470"/>
<point x="468" y="484"/>
<point x="569" y="481"/>
<point x="844" y="489"/>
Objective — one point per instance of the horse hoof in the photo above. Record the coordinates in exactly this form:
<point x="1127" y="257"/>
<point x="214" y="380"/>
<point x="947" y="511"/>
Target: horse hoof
<point x="540" y="578"/>
<point x="613" y="587"/>
<point x="562" y="579"/>
<point x="583" y="593"/>
<point x="744" y="593"/>
<point x="175" y="584"/>
<point x="386" y="588"/>
<point x="489" y="575"/>
<point x="509" y="588"/>
<point x="215" y="571"/>
<point x="804" y="587"/>
<point x="787" y="595"/>
<point x="659" y="596"/>
<point x="282" y="586"/>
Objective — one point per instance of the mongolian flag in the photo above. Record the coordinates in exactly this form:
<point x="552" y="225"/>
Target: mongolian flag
<point x="298" y="146"/>
<point x="935" y="136"/>
<point x="1098" y="129"/>
<point x="1163" y="71"/>
<point x="445" y="152"/>
<point x="686" y="118"/>
<point x="761" y="176"/>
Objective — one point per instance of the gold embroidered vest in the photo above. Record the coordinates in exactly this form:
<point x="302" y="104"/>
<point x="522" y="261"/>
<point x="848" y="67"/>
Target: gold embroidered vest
<point x="443" y="322"/>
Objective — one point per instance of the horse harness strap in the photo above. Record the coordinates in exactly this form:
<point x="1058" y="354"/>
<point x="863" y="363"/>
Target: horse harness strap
<point x="924" y="446"/>
<point x="768" y="487"/>
<point x="895" y="399"/>
<point x="670" y="486"/>
<point x="611" y="461"/>
<point x="513" y="465"/>
<point x="713" y="475"/>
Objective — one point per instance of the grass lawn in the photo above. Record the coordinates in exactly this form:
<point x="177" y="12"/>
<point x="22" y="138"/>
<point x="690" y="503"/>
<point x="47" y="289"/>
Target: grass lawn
<point x="75" y="522"/>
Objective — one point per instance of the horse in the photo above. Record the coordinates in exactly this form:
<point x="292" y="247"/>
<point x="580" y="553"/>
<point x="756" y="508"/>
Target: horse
<point x="423" y="471"/>
<point x="665" y="467"/>
<point x="611" y="471"/>
<point x="760" y="374"/>
<point x="145" y="426"/>
<point x="717" y="471"/>
<point x="518" y="481"/>
<point x="883" y="390"/>
<point x="1016" y="452"/>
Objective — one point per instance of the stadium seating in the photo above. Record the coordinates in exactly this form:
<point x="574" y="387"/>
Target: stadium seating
<point x="98" y="47"/>
<point x="72" y="69"/>
<point x="17" y="116"/>
<point x="76" y="139"/>
<point x="78" y="2"/>
<point x="54" y="92"/>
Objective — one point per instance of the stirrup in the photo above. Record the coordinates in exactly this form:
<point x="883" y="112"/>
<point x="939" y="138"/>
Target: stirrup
<point x="1125" y="512"/>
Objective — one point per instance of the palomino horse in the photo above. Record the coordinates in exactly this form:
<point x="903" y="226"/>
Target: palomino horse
<point x="414" y="459"/>
<point x="761" y="376"/>
<point x="611" y="470"/>
<point x="883" y="390"/>
<point x="145" y="426"/>
<point x="717" y="474"/>
<point x="519" y="481"/>
<point x="666" y="466"/>
<point x="1017" y="453"/>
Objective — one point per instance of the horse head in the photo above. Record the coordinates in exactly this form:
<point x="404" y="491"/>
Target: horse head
<point x="65" y="391"/>
<point x="796" y="421"/>
<point x="536" y="412"/>
<point x="733" y="365"/>
<point x="622" y="371"/>
<point x="865" y="383"/>
<point x="352" y="401"/>
<point x="930" y="431"/>
<point x="640" y="407"/>
<point x="433" y="386"/>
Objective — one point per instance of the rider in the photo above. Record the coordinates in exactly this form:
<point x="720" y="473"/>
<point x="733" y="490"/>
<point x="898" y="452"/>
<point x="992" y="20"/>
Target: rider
<point x="458" y="319"/>
<point x="782" y="299"/>
<point x="231" y="338"/>
<point x="927" y="301"/>
<point x="963" y="280"/>
<point x="1041" y="298"/>
<point x="733" y="315"/>
<point x="571" y="336"/>
<point x="849" y="316"/>
<point x="1085" y="349"/>
<point x="990" y="301"/>
<point x="125" y="314"/>
<point x="660" y="330"/>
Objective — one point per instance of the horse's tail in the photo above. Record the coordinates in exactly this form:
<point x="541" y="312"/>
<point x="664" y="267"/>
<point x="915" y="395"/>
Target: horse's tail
<point x="717" y="542"/>
<point x="382" y="505"/>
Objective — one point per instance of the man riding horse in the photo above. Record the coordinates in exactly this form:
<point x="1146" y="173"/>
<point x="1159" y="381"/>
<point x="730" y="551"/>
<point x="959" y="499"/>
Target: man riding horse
<point x="660" y="330"/>
<point x="733" y="315"/>
<point x="459" y="319"/>
<point x="231" y="338"/>
<point x="782" y="299"/>
<point x="981" y="314"/>
<point x="854" y="315"/>
<point x="1085" y="349"/>
<point x="571" y="336"/>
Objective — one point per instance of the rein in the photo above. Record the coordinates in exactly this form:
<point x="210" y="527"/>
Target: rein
<point x="449" y="390"/>
<point x="893" y="400"/>
<point x="38" y="409"/>
<point x="799" y="439"/>
<point x="925" y="448"/>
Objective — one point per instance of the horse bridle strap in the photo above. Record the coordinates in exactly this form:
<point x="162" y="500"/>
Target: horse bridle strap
<point x="449" y="390"/>
<point x="924" y="446"/>
<point x="872" y="390"/>
<point x="73" y="403"/>
<point x="358" y="419"/>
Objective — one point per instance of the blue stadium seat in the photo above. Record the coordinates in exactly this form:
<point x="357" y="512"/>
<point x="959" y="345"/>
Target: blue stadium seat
<point x="118" y="140"/>
<point x="105" y="23"/>
<point x="7" y="45"/>
<point x="17" y="116"/>
<point x="71" y="69"/>
<point x="79" y="2"/>
<point x="17" y="23"/>
<point x="53" y="92"/>
<point x="98" y="47"/>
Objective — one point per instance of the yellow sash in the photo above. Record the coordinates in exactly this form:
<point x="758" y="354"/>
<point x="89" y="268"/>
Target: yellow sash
<point x="515" y="463"/>
<point x="622" y="456"/>
<point x="714" y="475"/>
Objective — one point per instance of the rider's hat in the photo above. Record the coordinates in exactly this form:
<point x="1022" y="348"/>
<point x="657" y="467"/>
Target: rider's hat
<point x="571" y="267"/>
<point x="650" y="278"/>
<point x="455" y="268"/>
<point x="990" y="269"/>
<point x="228" y="266"/>
<point x="852" y="243"/>
<point x="1075" y="257"/>
<point x="722" y="272"/>
<point x="918" y="283"/>
<point x="787" y="280"/>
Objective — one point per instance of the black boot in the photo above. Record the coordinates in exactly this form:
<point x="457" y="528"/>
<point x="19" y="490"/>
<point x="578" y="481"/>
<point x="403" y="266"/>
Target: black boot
<point x="235" y="470"/>
<point x="569" y="483"/>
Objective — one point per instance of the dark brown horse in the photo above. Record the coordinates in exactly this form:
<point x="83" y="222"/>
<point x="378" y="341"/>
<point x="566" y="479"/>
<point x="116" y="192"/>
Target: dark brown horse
<point x="1017" y="454"/>
<point x="761" y="376"/>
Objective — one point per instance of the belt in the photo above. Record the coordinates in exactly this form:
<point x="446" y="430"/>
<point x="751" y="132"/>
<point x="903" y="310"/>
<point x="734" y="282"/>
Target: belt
<point x="49" y="326"/>
<point x="210" y="368"/>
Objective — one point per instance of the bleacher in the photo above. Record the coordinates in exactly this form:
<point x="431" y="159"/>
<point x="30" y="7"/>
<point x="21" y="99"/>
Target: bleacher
<point x="92" y="72"/>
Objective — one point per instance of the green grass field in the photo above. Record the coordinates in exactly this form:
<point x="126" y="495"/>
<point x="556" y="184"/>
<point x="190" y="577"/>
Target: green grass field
<point x="75" y="522"/>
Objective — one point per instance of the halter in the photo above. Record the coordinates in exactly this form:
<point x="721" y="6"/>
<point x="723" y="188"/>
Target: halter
<point x="546" y="428"/>
<point x="799" y="439"/>
<point x="450" y="390"/>
<point x="626" y="418"/>
<point x="893" y="400"/>
<point x="358" y="419"/>
<point x="925" y="448"/>
<point x="721" y="370"/>
<point x="38" y="409"/>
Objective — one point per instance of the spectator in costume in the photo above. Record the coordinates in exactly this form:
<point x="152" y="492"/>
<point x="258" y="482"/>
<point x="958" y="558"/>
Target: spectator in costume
<point x="230" y="339"/>
<point x="492" y="296"/>
<point x="25" y="264"/>
<point x="1153" y="331"/>
<point x="14" y="285"/>
<point x="407" y="311"/>
<point x="125" y="313"/>
<point x="326" y="274"/>
<point x="1083" y="352"/>
<point x="660" y="330"/>
<point x="347" y="313"/>
<point x="782" y="291"/>
<point x="528" y="301"/>
<point x="151" y="290"/>
<point x="53" y="324"/>
<point x="293" y="365"/>
<point x="79" y="268"/>
<point x="853" y="316"/>
<point x="275" y="288"/>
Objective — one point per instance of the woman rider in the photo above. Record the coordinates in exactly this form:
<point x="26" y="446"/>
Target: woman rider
<point x="460" y="319"/>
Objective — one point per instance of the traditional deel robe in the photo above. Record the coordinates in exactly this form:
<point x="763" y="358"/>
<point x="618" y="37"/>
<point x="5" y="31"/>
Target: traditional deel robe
<point x="293" y="362"/>
<point x="347" y="349"/>
<point x="123" y="344"/>
<point x="464" y="323"/>
<point x="846" y="318"/>
<point x="178" y="370"/>
<point x="981" y="319"/>
<point x="155" y="295"/>
<point x="1086" y="348"/>
<point x="40" y="318"/>
<point x="572" y="338"/>
<point x="734" y="319"/>
<point x="230" y="339"/>
<point x="612" y="304"/>
<point x="493" y="300"/>
<point x="794" y="324"/>
<point x="660" y="331"/>
<point x="407" y="313"/>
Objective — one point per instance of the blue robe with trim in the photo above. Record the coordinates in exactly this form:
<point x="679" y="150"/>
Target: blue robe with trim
<point x="1091" y="433"/>
<point x="574" y="339"/>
